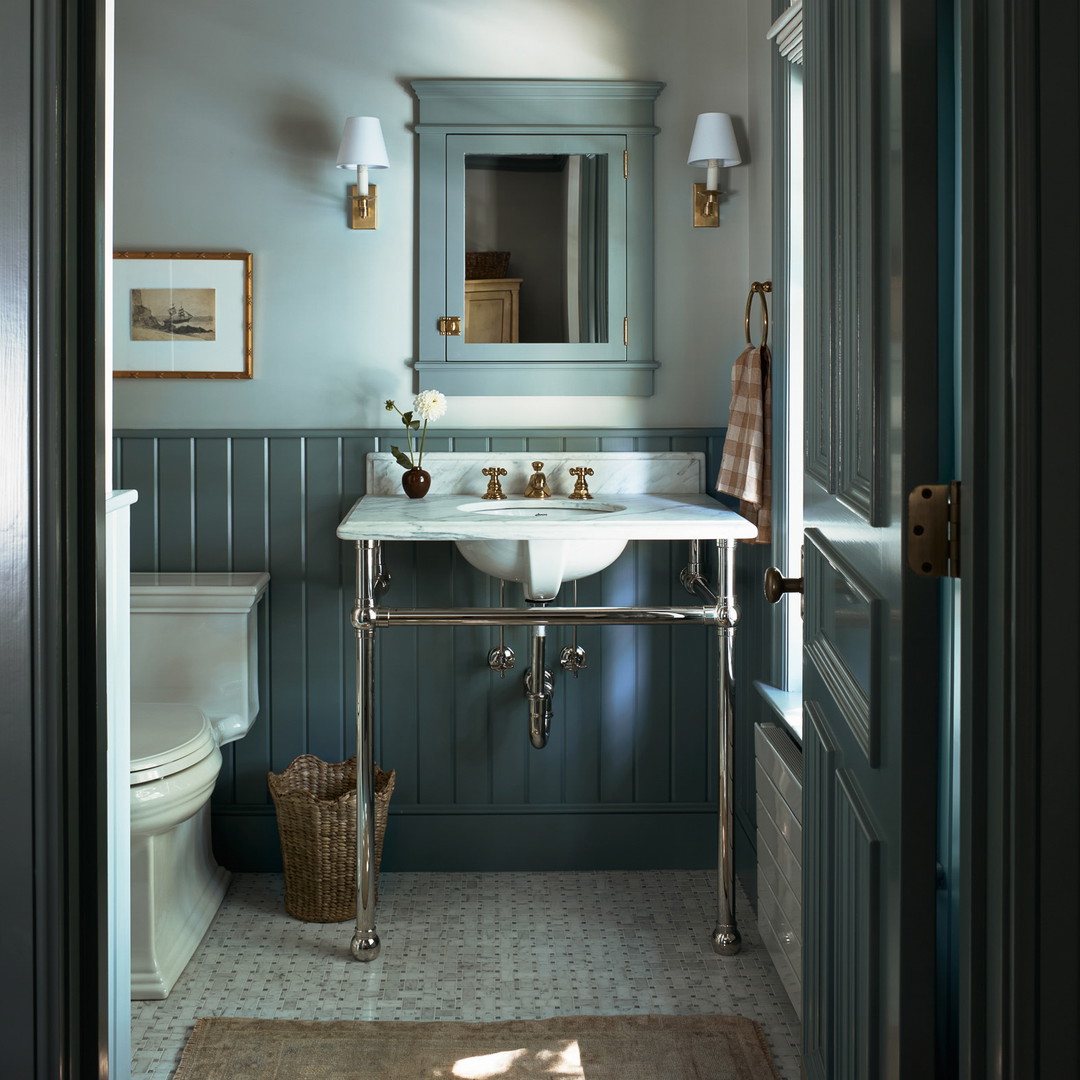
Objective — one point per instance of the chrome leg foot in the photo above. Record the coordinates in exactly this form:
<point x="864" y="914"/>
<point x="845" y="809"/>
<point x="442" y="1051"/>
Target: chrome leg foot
<point x="365" y="945"/>
<point x="726" y="940"/>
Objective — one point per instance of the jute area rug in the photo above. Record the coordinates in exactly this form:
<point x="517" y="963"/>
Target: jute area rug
<point x="564" y="1048"/>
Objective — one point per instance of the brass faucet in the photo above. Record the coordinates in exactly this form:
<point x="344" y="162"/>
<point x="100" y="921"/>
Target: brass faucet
<point x="494" y="488"/>
<point x="537" y="487"/>
<point x="581" y="487"/>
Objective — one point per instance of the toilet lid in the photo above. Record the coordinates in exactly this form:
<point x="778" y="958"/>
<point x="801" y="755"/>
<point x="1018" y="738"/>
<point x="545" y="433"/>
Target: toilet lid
<point x="166" y="738"/>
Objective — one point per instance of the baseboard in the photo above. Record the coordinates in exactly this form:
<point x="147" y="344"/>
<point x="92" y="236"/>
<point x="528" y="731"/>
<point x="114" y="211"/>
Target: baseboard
<point x="543" y="838"/>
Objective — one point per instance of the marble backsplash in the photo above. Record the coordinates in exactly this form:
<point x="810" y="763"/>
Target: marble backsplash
<point x="617" y="472"/>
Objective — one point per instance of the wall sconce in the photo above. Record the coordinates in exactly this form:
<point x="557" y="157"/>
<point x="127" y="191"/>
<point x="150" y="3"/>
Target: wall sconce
<point x="362" y="148"/>
<point x="713" y="147"/>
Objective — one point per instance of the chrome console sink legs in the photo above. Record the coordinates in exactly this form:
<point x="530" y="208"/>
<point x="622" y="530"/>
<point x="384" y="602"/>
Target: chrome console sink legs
<point x="726" y="938"/>
<point x="365" y="942"/>
<point x="718" y="611"/>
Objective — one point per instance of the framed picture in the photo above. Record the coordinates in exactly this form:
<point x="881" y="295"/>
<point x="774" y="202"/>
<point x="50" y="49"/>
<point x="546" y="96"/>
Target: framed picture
<point x="181" y="315"/>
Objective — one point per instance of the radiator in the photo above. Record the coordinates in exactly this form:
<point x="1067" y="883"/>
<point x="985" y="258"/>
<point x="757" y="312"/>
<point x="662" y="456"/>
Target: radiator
<point x="778" y="768"/>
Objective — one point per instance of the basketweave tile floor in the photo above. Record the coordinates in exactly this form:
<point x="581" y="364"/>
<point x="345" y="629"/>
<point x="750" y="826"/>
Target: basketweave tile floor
<point x="476" y="947"/>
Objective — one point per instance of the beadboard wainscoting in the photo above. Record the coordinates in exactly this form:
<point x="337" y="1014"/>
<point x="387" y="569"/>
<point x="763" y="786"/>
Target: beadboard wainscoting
<point x="628" y="778"/>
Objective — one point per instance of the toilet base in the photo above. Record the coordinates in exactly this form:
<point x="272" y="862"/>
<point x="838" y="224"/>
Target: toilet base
<point x="176" y="890"/>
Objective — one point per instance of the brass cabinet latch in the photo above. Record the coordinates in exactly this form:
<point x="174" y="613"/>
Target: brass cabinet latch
<point x="933" y="530"/>
<point x="450" y="325"/>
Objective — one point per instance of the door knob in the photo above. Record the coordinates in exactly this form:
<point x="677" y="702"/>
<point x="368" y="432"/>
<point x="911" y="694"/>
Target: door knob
<point x="776" y="585"/>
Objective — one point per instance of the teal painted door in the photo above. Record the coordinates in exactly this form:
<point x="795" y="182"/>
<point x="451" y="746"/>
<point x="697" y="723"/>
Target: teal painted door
<point x="871" y="626"/>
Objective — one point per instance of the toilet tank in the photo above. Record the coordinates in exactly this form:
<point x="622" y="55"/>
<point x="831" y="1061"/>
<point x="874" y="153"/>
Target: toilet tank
<point x="194" y="639"/>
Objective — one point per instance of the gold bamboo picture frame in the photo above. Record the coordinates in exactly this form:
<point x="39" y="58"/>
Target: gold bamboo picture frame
<point x="182" y="315"/>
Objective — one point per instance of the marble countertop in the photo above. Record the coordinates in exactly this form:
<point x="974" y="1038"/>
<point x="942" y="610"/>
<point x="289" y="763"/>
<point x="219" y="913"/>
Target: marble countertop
<point x="653" y="516"/>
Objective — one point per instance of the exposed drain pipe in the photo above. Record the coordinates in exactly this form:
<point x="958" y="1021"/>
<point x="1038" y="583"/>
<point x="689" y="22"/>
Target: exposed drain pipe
<point x="539" y="686"/>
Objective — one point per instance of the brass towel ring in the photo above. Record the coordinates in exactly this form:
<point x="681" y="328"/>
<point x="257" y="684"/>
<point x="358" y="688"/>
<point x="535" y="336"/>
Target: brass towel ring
<point x="758" y="288"/>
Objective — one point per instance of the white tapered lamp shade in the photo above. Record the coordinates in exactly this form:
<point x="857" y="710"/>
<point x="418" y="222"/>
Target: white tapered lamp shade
<point x="362" y="148"/>
<point x="713" y="146"/>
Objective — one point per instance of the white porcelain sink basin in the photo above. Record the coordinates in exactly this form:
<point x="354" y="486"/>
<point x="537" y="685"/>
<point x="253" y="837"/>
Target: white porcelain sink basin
<point x="541" y="564"/>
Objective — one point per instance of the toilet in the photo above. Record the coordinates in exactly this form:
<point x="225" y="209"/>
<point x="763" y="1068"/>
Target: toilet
<point x="194" y="688"/>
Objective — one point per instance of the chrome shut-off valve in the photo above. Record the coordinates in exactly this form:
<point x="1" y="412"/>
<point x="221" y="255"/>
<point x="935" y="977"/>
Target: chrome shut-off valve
<point x="572" y="658"/>
<point x="501" y="659"/>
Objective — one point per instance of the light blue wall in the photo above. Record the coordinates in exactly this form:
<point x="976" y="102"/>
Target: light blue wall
<point x="228" y="116"/>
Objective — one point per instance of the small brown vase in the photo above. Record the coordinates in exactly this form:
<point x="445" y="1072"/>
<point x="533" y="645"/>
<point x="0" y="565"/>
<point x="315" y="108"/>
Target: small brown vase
<point x="416" y="482"/>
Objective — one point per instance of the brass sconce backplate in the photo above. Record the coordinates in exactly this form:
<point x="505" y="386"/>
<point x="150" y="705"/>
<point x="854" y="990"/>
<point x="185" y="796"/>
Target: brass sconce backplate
<point x="706" y="207"/>
<point x="357" y="219"/>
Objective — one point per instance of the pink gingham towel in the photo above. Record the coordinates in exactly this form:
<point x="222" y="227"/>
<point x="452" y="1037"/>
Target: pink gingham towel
<point x="746" y="467"/>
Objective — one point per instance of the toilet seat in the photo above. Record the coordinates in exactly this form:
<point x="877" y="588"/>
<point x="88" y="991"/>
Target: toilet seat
<point x="167" y="738"/>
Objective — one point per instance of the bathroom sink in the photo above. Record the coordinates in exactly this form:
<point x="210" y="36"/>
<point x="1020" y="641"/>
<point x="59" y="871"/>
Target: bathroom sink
<point x="543" y="562"/>
<point x="551" y="509"/>
<point x="637" y="495"/>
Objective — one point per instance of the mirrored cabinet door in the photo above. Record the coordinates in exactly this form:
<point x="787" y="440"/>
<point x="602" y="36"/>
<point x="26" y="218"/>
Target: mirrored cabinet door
<point x="536" y="246"/>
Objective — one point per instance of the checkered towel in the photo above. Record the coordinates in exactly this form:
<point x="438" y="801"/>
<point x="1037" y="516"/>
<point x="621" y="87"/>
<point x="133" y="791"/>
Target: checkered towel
<point x="746" y="468"/>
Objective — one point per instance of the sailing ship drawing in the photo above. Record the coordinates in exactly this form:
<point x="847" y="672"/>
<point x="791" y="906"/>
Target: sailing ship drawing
<point x="163" y="314"/>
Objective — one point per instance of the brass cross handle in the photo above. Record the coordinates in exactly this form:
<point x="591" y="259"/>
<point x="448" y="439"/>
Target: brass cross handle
<point x="494" y="488"/>
<point x="581" y="487"/>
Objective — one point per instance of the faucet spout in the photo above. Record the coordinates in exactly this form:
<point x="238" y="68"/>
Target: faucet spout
<point x="537" y="487"/>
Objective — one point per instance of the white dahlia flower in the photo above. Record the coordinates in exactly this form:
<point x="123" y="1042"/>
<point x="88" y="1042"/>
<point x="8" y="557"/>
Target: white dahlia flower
<point x="430" y="405"/>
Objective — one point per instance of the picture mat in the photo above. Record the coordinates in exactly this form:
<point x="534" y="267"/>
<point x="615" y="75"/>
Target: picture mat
<point x="228" y="353"/>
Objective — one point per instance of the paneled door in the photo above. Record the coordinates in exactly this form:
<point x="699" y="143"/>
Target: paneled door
<point x="870" y="680"/>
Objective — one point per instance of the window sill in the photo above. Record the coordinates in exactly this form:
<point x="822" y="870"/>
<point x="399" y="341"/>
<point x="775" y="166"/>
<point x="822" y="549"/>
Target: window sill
<point x="787" y="705"/>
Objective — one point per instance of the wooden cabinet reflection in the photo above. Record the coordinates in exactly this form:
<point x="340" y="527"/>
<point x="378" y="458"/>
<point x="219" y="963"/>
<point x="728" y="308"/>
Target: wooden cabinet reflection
<point x="491" y="309"/>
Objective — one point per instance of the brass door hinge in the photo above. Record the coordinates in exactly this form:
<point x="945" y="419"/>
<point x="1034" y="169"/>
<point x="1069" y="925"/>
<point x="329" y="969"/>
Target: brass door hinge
<point x="626" y="330"/>
<point x="933" y="530"/>
<point x="626" y="164"/>
<point x="450" y="325"/>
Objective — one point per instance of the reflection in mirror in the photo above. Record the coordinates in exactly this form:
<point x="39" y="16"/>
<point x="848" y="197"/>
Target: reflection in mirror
<point x="536" y="237"/>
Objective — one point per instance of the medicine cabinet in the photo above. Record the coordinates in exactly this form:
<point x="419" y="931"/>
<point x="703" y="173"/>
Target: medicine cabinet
<point x="535" y="236"/>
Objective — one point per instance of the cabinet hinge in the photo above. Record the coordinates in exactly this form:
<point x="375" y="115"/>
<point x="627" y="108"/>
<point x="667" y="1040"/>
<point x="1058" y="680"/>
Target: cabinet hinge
<point x="450" y="325"/>
<point x="626" y="330"/>
<point x="933" y="530"/>
<point x="626" y="164"/>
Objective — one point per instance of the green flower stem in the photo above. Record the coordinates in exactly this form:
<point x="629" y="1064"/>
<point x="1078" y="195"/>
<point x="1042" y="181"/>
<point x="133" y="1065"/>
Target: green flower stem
<point x="423" y="436"/>
<point x="408" y="433"/>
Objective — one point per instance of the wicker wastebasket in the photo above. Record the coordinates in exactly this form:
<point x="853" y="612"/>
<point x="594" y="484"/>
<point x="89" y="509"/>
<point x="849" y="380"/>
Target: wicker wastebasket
<point x="316" y="812"/>
<point x="481" y="265"/>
